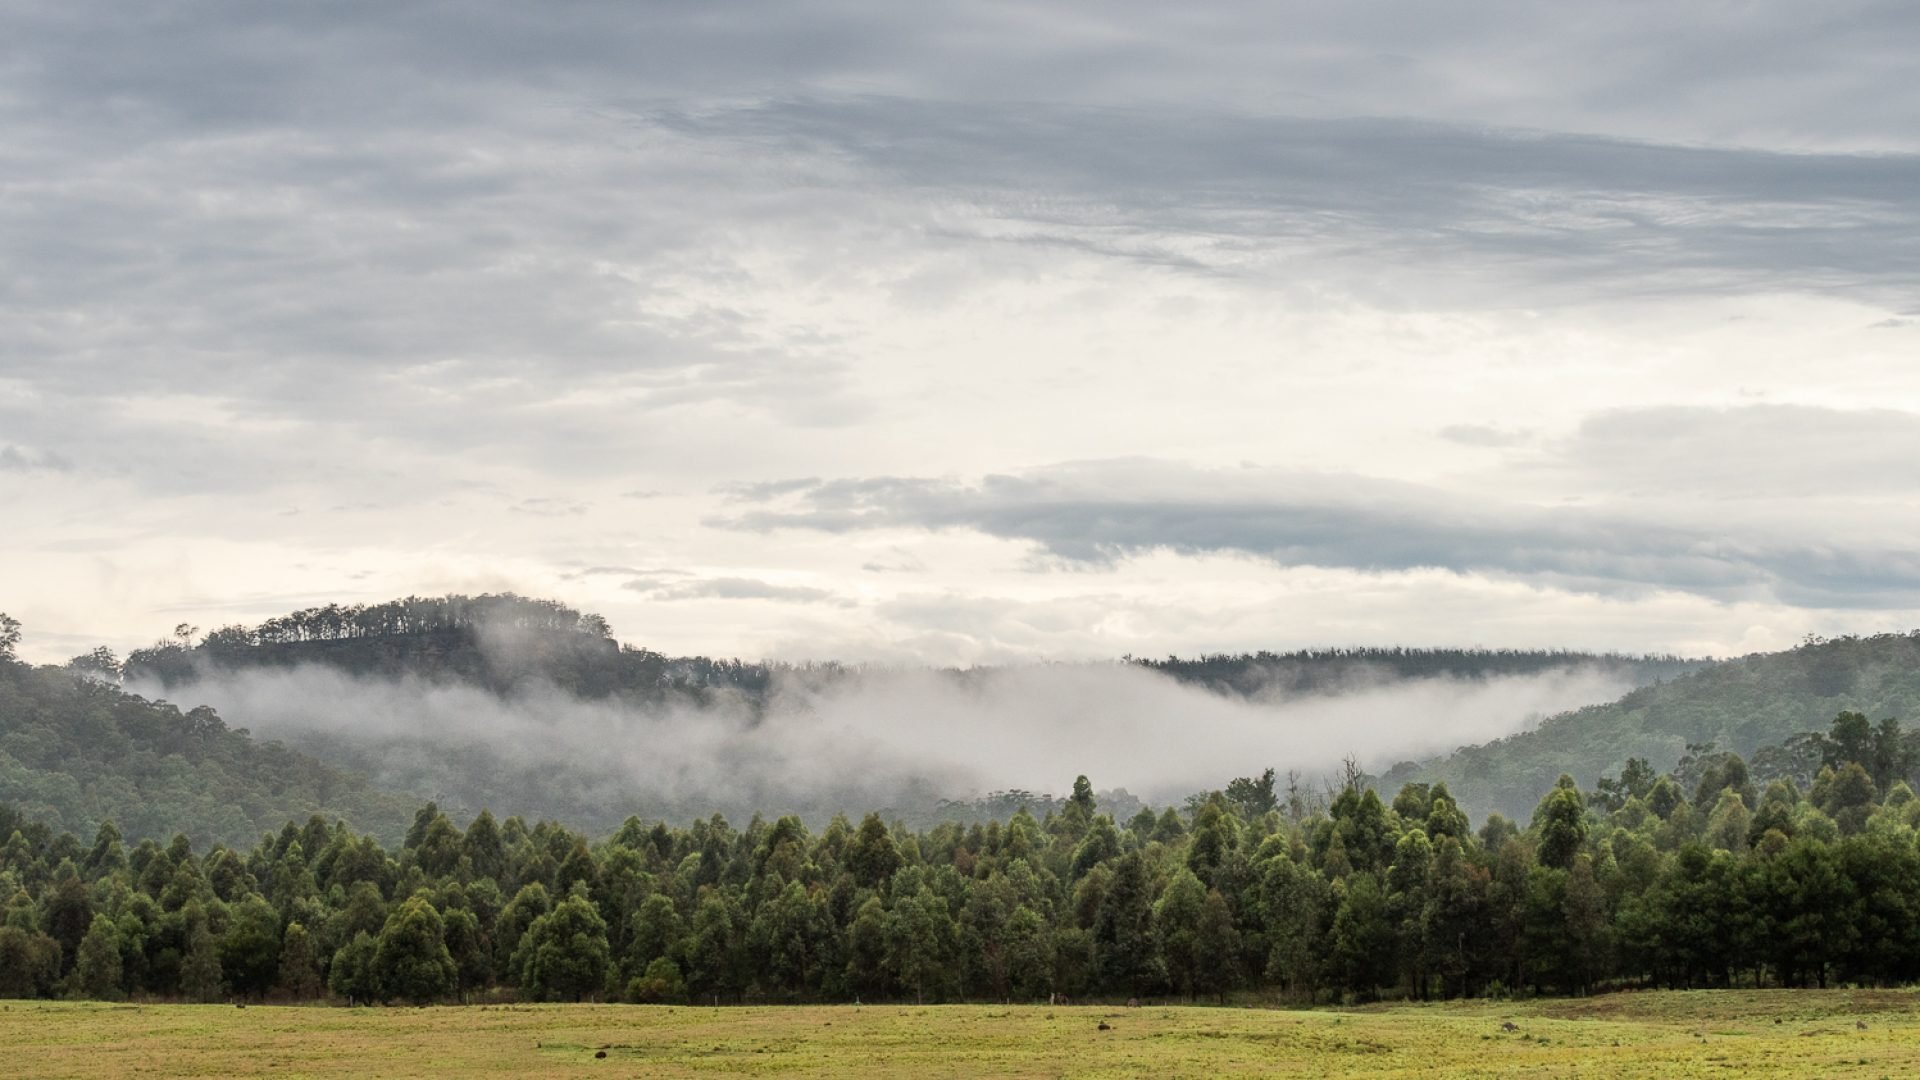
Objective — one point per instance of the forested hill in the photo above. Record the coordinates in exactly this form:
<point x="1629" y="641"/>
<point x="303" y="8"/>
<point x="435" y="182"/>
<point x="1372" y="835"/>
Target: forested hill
<point x="1739" y="705"/>
<point x="1309" y="671"/>
<point x="503" y="641"/>
<point x="76" y="751"/>
<point x="498" y="642"/>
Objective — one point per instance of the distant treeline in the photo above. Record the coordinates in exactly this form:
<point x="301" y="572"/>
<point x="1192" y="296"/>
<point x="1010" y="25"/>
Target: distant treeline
<point x="1314" y="670"/>
<point x="1697" y="880"/>
<point x="447" y="638"/>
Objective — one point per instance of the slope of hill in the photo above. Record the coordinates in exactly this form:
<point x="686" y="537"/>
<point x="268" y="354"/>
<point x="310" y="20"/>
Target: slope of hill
<point x="75" y="751"/>
<point x="1739" y="705"/>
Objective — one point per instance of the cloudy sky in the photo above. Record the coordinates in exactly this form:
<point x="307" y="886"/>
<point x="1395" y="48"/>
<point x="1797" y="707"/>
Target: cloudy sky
<point x="969" y="332"/>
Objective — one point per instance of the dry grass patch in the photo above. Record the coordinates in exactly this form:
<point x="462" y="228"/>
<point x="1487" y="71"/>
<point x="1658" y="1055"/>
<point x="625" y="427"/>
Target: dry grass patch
<point x="1779" y="1033"/>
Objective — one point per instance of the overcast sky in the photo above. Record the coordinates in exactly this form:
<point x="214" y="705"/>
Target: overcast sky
<point x="969" y="332"/>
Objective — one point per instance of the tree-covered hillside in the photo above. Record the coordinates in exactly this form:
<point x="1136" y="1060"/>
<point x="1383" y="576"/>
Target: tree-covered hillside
<point x="76" y="751"/>
<point x="498" y="642"/>
<point x="521" y="651"/>
<point x="1739" y="705"/>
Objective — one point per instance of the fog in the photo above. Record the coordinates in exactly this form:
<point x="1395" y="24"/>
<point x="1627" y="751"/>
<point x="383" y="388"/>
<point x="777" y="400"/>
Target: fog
<point x="870" y="740"/>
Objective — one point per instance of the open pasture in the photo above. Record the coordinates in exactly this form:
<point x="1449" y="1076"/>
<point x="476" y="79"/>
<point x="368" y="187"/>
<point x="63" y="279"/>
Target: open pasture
<point x="1810" y="1033"/>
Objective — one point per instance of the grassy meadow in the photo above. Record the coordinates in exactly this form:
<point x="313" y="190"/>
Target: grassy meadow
<point x="1712" y="1033"/>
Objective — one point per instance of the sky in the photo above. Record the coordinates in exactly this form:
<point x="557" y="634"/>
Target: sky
<point x="966" y="334"/>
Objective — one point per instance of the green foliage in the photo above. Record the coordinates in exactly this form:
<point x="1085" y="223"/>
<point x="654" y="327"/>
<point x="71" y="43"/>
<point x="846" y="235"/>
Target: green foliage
<point x="1756" y="706"/>
<point x="353" y="975"/>
<point x="97" y="970"/>
<point x="1632" y="885"/>
<point x="77" y="752"/>
<point x="1562" y="821"/>
<point x="563" y="956"/>
<point x="250" y="948"/>
<point x="201" y="977"/>
<point x="29" y="963"/>
<point x="659" y="984"/>
<point x="410" y="958"/>
<point x="299" y="970"/>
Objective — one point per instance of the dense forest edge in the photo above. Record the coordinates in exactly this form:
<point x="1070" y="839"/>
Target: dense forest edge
<point x="1694" y="879"/>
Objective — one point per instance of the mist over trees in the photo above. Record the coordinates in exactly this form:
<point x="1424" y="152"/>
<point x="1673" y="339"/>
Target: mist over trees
<point x="1649" y="880"/>
<point x="493" y="701"/>
<point x="532" y="706"/>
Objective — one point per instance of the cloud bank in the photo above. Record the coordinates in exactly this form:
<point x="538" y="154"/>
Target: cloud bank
<point x="877" y="739"/>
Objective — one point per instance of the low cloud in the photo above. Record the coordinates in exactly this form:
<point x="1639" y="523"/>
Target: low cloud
<point x="869" y="740"/>
<point x="731" y="588"/>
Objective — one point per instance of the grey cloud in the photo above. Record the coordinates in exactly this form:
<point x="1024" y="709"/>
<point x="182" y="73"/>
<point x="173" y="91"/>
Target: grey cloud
<point x="1754" y="452"/>
<point x="1099" y="512"/>
<point x="485" y="233"/>
<point x="1220" y="191"/>
<point x="625" y="571"/>
<point x="543" y="506"/>
<point x="767" y="489"/>
<point x="1702" y="71"/>
<point x="733" y="588"/>
<point x="15" y="459"/>
<point x="1485" y="435"/>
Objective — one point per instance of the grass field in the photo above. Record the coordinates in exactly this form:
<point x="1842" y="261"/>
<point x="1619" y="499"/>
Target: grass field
<point x="1712" y="1033"/>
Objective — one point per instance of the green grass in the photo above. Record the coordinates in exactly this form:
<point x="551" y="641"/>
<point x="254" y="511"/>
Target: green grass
<point x="1717" y="1033"/>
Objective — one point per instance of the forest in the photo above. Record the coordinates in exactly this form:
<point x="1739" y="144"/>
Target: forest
<point x="156" y="853"/>
<point x="1696" y="880"/>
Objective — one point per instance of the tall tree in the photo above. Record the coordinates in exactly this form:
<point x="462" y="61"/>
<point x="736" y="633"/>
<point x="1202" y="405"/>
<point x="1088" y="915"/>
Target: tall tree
<point x="410" y="958"/>
<point x="299" y="972"/>
<point x="97" y="971"/>
<point x="564" y="954"/>
<point x="250" y="948"/>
